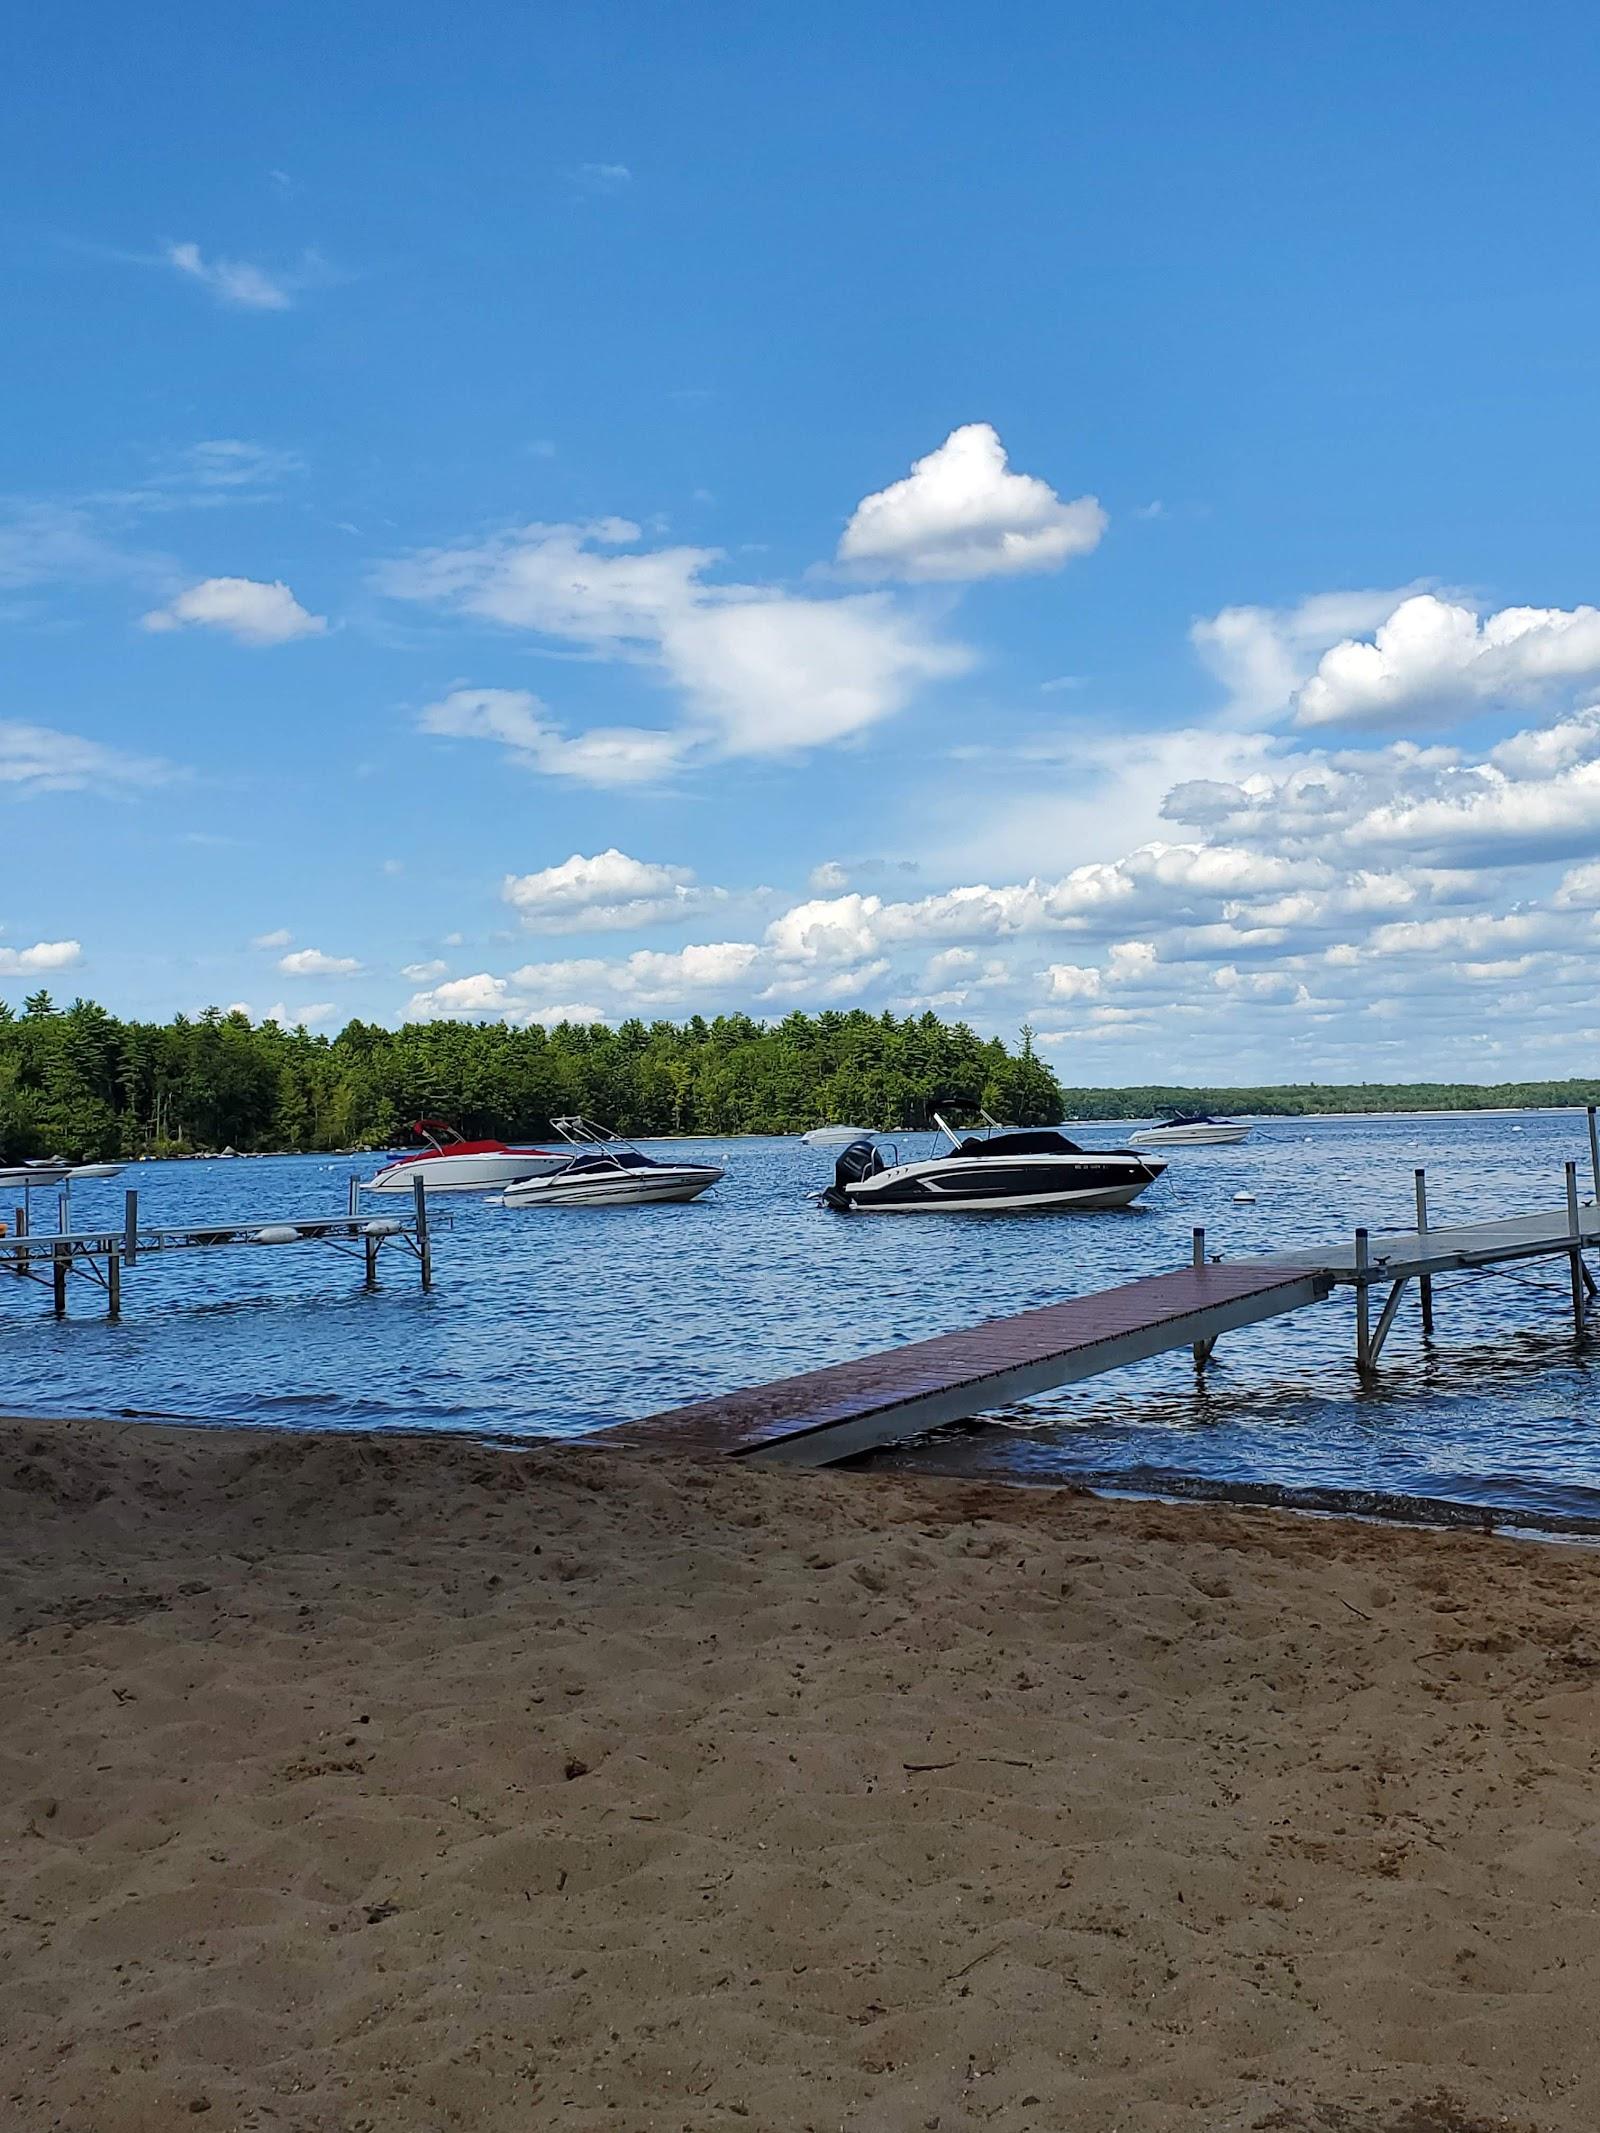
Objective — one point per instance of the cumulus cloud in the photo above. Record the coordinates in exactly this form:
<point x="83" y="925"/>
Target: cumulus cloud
<point x="423" y="973"/>
<point x="306" y="1017"/>
<point x="605" y="892"/>
<point x="961" y="514"/>
<point x="758" y="670"/>
<point x="312" y="963"/>
<point x="1264" y="655"/>
<point x="39" y="759"/>
<point x="1433" y="658"/>
<point x="245" y="608"/>
<point x="42" y="956"/>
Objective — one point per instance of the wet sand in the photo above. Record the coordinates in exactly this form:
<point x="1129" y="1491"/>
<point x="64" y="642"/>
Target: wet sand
<point x="357" y="1785"/>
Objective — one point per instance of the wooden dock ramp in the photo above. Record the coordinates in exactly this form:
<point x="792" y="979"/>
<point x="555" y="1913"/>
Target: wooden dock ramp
<point x="826" y="1415"/>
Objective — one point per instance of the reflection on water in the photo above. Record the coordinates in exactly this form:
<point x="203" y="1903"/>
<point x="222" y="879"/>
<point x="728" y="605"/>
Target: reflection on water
<point x="563" y="1320"/>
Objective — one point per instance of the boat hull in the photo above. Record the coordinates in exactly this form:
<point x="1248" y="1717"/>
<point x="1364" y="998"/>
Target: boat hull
<point x="623" y="1188"/>
<point x="485" y="1171"/>
<point x="1189" y="1137"/>
<point x="993" y="1186"/>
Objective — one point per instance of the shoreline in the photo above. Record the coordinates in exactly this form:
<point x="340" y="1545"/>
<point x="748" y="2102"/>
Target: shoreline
<point x="367" y="1778"/>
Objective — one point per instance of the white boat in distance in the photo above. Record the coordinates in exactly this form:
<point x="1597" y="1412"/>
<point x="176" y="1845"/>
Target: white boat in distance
<point x="1001" y="1170"/>
<point x="603" y="1171"/>
<point x="1190" y="1130"/>
<point x="450" y="1164"/>
<point x="835" y="1136"/>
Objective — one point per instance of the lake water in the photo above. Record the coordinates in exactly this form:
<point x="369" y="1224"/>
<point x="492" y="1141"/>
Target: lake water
<point x="563" y="1321"/>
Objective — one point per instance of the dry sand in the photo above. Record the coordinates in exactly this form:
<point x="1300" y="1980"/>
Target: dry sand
<point x="402" y="1784"/>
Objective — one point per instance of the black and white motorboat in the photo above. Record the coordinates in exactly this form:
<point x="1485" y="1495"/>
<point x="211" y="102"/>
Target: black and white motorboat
<point x="1190" y="1129"/>
<point x="603" y="1171"/>
<point x="1000" y="1170"/>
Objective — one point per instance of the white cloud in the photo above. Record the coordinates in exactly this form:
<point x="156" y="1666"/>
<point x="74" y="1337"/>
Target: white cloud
<point x="828" y="876"/>
<point x="312" y="963"/>
<point x="605" y="755"/>
<point x="42" y="956"/>
<point x="280" y="937"/>
<point x="961" y="513"/>
<point x="480" y="996"/>
<point x="1263" y="655"/>
<point x="758" y="670"/>
<point x="1072" y="981"/>
<point x="36" y="759"/>
<point x="233" y="281"/>
<point x="1434" y="658"/>
<point x="604" y="893"/>
<point x="295" y="1017"/>
<point x="423" y="973"/>
<point x="253" y="612"/>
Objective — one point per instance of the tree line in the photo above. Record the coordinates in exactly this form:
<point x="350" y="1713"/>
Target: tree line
<point x="79" y="1082"/>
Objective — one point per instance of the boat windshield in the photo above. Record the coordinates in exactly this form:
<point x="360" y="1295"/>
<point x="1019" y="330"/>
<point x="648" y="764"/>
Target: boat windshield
<point x="1041" y="1140"/>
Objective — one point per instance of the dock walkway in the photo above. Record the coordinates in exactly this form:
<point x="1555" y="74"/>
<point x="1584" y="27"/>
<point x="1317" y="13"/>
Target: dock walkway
<point x="826" y="1415"/>
<point x="835" y="1413"/>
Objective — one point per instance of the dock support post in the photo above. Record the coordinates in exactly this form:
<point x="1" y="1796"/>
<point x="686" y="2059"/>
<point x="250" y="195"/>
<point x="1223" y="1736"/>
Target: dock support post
<point x="1202" y="1349"/>
<point x="1594" y="1154"/>
<point x="371" y="1244"/>
<point x="1363" y="1305"/>
<point x="353" y="1204"/>
<point x="58" y="1279"/>
<point x="1425" y="1285"/>
<point x="1575" y="1250"/>
<point x="419" y="1200"/>
<point x="130" y="1229"/>
<point x="19" y="1228"/>
<point x="113" y="1284"/>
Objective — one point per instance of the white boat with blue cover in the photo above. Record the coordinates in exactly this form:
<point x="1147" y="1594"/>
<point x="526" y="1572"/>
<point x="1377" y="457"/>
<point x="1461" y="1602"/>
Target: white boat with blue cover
<point x="603" y="1171"/>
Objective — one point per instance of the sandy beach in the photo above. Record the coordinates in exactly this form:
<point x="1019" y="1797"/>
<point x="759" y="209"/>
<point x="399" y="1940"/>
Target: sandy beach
<point x="361" y="1785"/>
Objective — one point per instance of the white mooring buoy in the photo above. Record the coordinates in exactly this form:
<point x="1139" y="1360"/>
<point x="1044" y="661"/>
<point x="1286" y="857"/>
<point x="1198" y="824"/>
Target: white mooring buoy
<point x="1244" y="1199"/>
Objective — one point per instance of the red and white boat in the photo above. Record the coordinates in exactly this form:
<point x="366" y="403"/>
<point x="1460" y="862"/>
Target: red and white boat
<point x="450" y="1164"/>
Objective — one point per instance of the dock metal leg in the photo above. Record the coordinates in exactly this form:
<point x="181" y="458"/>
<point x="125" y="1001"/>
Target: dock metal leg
<point x="419" y="1202"/>
<point x="1202" y="1349"/>
<point x="1391" y="1304"/>
<point x="58" y="1279"/>
<point x="1363" y="1305"/>
<point x="1575" y="1252"/>
<point x="113" y="1285"/>
<point x="1425" y="1285"/>
<point x="371" y="1244"/>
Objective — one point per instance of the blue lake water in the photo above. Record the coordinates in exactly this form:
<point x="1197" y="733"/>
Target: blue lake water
<point x="559" y="1322"/>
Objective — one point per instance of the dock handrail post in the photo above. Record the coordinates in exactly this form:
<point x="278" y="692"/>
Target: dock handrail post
<point x="1363" y="1310"/>
<point x="1594" y="1153"/>
<point x="130" y="1229"/>
<point x="353" y="1199"/>
<point x="1575" y="1249"/>
<point x="419" y="1200"/>
<point x="1202" y="1349"/>
<point x="1425" y="1285"/>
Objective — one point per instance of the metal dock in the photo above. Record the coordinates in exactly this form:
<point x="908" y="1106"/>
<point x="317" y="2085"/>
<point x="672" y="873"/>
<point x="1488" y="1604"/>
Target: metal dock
<point x="827" y="1415"/>
<point x="51" y="1256"/>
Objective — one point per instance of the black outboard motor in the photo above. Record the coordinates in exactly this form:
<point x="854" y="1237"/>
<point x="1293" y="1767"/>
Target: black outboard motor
<point x="860" y="1160"/>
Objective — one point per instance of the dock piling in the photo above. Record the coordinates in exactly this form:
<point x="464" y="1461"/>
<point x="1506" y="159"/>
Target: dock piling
<point x="419" y="1200"/>
<point x="1363" y="1304"/>
<point x="60" y="1260"/>
<point x="130" y="1229"/>
<point x="1425" y="1285"/>
<point x="113" y="1285"/>
<point x="353" y="1201"/>
<point x="1575" y="1250"/>
<point x="1594" y="1153"/>
<point x="1202" y="1349"/>
<point x="371" y="1244"/>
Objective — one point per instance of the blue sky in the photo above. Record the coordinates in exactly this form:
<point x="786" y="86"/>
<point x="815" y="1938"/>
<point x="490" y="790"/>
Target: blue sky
<point x="1073" y="514"/>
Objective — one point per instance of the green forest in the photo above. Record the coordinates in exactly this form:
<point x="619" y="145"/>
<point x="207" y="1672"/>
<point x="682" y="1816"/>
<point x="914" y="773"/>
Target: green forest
<point x="76" y="1081"/>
